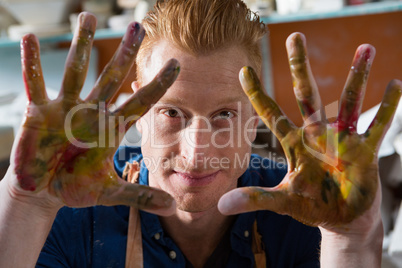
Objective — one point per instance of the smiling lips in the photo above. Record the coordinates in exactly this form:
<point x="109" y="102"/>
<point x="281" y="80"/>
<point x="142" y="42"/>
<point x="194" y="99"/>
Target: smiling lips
<point x="195" y="180"/>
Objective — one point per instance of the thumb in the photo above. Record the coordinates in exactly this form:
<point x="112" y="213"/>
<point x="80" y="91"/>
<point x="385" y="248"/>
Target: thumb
<point x="140" y="196"/>
<point x="246" y="199"/>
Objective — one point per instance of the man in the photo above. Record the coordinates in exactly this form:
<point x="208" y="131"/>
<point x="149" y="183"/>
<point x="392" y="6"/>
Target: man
<point x="194" y="141"/>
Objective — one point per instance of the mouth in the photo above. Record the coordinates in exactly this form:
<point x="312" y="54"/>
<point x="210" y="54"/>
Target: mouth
<point x="193" y="179"/>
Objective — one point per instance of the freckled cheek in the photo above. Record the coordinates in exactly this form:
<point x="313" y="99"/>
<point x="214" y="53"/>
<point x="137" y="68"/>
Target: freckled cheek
<point x="234" y="146"/>
<point x="160" y="135"/>
<point x="222" y="137"/>
<point x="235" y="135"/>
<point x="159" y="145"/>
<point x="249" y="136"/>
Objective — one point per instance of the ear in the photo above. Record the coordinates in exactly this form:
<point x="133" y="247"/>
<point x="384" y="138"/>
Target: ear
<point x="135" y="86"/>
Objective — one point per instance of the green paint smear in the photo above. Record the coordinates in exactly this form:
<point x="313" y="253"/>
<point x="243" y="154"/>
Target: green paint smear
<point x="40" y="167"/>
<point x="50" y="140"/>
<point x="328" y="185"/>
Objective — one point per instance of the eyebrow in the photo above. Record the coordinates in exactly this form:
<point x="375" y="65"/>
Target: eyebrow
<point x="180" y="101"/>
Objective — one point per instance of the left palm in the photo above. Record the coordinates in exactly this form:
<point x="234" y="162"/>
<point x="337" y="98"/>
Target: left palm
<point x="332" y="170"/>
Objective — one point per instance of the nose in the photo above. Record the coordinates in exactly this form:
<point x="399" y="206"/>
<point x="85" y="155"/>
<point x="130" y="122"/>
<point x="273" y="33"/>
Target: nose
<point x="196" y="143"/>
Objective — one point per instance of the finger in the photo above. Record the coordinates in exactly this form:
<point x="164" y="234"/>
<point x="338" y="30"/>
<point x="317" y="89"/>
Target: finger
<point x="32" y="70"/>
<point x="143" y="197"/>
<point x="385" y="113"/>
<point x="78" y="57"/>
<point x="266" y="108"/>
<point x="139" y="103"/>
<point x="304" y="85"/>
<point x="117" y="69"/>
<point x="246" y="199"/>
<point x="353" y="92"/>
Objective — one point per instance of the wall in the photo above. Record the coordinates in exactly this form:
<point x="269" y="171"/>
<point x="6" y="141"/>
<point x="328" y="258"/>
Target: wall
<point x="52" y="60"/>
<point x="331" y="46"/>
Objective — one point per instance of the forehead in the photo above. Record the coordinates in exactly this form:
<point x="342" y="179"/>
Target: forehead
<point x="214" y="73"/>
<point x="162" y="50"/>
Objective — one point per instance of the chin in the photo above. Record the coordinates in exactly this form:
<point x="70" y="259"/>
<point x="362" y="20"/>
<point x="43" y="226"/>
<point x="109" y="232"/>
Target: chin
<point x="196" y="203"/>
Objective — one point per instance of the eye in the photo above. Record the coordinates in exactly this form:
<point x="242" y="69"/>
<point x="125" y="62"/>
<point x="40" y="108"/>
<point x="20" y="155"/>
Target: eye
<point x="224" y="115"/>
<point x="172" y="113"/>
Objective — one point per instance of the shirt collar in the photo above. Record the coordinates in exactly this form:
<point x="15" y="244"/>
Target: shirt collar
<point x="241" y="232"/>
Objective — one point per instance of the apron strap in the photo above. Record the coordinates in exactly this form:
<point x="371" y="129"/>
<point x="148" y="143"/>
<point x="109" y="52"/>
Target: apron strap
<point x="258" y="248"/>
<point x="134" y="255"/>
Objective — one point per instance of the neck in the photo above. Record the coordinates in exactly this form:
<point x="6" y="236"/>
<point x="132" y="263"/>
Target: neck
<point x="197" y="233"/>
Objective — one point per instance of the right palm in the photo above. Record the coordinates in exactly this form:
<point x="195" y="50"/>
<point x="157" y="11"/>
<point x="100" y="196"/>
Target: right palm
<point x="49" y="156"/>
<point x="65" y="146"/>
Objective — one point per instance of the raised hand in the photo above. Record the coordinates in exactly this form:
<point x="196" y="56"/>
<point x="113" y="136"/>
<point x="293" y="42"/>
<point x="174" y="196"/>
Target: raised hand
<point x="332" y="174"/>
<point x="64" y="151"/>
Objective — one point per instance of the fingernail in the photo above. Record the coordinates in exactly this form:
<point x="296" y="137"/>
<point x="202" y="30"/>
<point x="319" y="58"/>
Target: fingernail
<point x="172" y="68"/>
<point x="169" y="73"/>
<point x="248" y="79"/>
<point x="364" y="57"/>
<point x="135" y="33"/>
<point x="87" y="21"/>
<point x="165" y="211"/>
<point x="395" y="87"/>
<point x="29" y="46"/>
<point x="296" y="48"/>
<point x="299" y="45"/>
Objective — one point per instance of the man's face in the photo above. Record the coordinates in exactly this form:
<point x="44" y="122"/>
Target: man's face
<point x="197" y="139"/>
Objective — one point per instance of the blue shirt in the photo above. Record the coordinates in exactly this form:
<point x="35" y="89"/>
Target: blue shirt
<point x="97" y="236"/>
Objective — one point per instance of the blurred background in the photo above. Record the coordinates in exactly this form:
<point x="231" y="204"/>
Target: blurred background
<point x="333" y="28"/>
